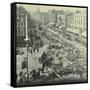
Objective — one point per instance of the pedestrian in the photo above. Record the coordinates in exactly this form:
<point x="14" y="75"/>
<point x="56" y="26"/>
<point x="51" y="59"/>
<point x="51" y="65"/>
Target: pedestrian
<point x="30" y="50"/>
<point x="34" y="74"/>
<point x="21" y="80"/>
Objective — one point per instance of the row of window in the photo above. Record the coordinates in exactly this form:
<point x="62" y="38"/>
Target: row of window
<point x="20" y="23"/>
<point x="20" y="31"/>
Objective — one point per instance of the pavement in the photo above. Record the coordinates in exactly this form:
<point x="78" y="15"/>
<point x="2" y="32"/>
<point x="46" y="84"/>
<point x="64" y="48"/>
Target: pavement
<point x="33" y="59"/>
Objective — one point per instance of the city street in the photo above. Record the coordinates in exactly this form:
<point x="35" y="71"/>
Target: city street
<point x="33" y="59"/>
<point x="49" y="41"/>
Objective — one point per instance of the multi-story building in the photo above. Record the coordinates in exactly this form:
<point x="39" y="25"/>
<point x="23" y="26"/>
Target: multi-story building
<point x="61" y="18"/>
<point x="52" y="16"/>
<point x="69" y="18"/>
<point x="79" y="21"/>
<point x="57" y="17"/>
<point x="76" y="21"/>
<point x="21" y="21"/>
<point x="21" y="25"/>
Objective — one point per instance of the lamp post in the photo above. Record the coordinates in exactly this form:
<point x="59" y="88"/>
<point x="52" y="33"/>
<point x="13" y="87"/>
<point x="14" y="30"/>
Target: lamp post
<point x="26" y="41"/>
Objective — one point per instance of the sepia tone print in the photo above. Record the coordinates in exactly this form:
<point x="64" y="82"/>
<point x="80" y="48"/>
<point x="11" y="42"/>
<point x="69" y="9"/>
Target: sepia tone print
<point x="51" y="44"/>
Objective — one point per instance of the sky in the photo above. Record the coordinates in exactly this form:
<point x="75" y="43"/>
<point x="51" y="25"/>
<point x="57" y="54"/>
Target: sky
<point x="33" y="8"/>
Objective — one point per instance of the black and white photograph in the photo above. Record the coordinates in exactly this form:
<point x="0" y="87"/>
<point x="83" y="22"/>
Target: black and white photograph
<point x="51" y="44"/>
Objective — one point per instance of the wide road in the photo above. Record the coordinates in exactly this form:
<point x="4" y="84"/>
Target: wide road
<point x="77" y="45"/>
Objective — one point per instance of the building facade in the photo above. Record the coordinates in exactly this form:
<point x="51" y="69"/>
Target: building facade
<point x="79" y="21"/>
<point x="21" y="25"/>
<point x="76" y="21"/>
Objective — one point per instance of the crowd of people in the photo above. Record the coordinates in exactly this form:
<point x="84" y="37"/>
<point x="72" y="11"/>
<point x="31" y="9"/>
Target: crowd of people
<point x="24" y="78"/>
